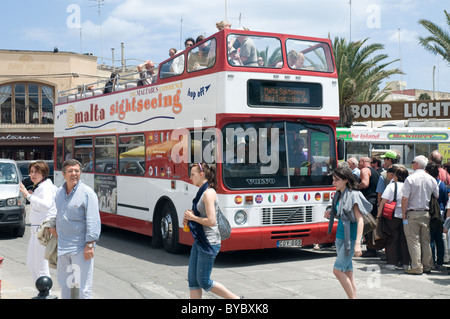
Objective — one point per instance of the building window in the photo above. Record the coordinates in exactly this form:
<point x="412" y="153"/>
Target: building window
<point x="26" y="102"/>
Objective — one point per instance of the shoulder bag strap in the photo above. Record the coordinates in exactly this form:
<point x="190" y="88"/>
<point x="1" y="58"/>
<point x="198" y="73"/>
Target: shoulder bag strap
<point x="395" y="192"/>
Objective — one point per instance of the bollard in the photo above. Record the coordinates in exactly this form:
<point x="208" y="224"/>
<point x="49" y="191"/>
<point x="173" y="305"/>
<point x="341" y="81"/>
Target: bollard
<point x="75" y="291"/>
<point x="43" y="285"/>
<point x="1" y="262"/>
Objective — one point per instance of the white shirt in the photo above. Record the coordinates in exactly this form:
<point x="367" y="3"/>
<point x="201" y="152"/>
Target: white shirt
<point x="42" y="202"/>
<point x="389" y="195"/>
<point x="418" y="187"/>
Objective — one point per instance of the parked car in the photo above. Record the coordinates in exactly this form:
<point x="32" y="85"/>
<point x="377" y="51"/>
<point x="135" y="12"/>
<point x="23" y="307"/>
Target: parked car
<point x="23" y="167"/>
<point x="12" y="202"/>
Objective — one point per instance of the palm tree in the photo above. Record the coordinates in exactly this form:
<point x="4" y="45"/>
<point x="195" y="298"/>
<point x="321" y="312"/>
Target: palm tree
<point x="360" y="74"/>
<point x="439" y="40"/>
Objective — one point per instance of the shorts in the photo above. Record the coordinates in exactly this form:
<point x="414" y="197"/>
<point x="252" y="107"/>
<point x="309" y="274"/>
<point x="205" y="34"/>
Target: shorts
<point x="200" y="268"/>
<point x="344" y="263"/>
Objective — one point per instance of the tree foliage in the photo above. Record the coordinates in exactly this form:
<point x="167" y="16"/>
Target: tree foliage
<point x="438" y="42"/>
<point x="361" y="70"/>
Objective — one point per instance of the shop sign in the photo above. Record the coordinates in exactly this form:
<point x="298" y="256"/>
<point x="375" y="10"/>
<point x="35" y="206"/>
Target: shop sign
<point x="404" y="110"/>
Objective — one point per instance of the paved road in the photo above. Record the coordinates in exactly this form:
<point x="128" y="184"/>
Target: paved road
<point x="127" y="267"/>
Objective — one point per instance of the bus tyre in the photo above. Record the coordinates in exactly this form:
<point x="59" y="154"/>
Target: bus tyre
<point x="169" y="229"/>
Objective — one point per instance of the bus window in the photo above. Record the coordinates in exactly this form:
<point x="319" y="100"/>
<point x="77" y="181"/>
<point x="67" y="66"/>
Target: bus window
<point x="357" y="150"/>
<point x="425" y="149"/>
<point x="132" y="154"/>
<point x="309" y="55"/>
<point x="278" y="154"/>
<point x="202" y="56"/>
<point x="68" y="149"/>
<point x="59" y="153"/>
<point x="83" y="153"/>
<point x="172" y="67"/>
<point x="203" y="146"/>
<point x="254" y="155"/>
<point x="311" y="154"/>
<point x="105" y="154"/>
<point x="254" y="51"/>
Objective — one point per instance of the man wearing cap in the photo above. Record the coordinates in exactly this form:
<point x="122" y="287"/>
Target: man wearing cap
<point x="417" y="190"/>
<point x="391" y="157"/>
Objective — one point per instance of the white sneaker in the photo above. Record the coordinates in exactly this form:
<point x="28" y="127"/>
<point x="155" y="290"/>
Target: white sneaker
<point x="389" y="267"/>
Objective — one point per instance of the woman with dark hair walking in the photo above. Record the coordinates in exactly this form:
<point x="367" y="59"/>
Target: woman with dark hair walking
<point x="348" y="206"/>
<point x="202" y="221"/>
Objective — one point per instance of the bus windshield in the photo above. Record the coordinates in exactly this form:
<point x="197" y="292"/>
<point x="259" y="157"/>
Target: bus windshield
<point x="278" y="155"/>
<point x="309" y="55"/>
<point x="254" y="51"/>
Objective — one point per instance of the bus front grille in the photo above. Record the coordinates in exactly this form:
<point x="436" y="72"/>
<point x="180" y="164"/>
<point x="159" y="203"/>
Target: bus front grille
<point x="287" y="215"/>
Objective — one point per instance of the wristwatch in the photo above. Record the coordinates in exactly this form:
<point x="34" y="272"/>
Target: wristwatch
<point x="90" y="245"/>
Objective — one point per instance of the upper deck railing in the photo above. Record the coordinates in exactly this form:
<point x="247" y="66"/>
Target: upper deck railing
<point x="227" y="50"/>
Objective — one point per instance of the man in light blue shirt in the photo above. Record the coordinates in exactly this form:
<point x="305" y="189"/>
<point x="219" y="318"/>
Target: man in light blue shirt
<point x="78" y="229"/>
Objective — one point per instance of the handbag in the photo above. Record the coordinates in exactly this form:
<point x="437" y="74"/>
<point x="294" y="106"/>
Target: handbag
<point x="389" y="208"/>
<point x="370" y="223"/>
<point x="223" y="225"/>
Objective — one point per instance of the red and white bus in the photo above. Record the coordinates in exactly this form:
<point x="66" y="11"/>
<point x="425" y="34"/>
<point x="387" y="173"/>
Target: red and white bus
<point x="239" y="100"/>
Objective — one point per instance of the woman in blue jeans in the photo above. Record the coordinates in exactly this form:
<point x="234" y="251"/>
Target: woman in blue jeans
<point x="202" y="221"/>
<point x="348" y="206"/>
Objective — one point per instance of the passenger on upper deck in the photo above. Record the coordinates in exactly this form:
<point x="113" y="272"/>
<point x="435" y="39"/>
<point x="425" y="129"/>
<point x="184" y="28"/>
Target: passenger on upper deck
<point x="111" y="84"/>
<point x="233" y="58"/>
<point x="189" y="42"/>
<point x="199" y="39"/>
<point x="172" y="52"/>
<point x="224" y="24"/>
<point x="292" y="59"/>
<point x="147" y="76"/>
<point x="260" y="61"/>
<point x="247" y="50"/>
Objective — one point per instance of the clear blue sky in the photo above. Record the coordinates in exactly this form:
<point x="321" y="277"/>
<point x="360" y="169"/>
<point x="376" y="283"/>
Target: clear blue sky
<point x="149" y="28"/>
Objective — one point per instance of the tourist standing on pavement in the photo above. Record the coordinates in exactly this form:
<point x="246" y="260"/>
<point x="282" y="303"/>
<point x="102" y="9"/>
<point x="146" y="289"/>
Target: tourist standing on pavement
<point x="436" y="239"/>
<point x="417" y="190"/>
<point x="42" y="208"/>
<point x="368" y="185"/>
<point x="348" y="206"/>
<point x="396" y="247"/>
<point x="202" y="221"/>
<point x="78" y="229"/>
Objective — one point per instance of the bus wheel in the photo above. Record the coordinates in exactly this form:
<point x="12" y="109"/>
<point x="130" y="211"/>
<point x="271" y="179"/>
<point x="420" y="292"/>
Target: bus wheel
<point x="169" y="229"/>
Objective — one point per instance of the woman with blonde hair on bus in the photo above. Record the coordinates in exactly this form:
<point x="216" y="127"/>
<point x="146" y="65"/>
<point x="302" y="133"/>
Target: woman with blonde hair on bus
<point x="42" y="204"/>
<point x="202" y="221"/>
<point x="348" y="206"/>
<point x="224" y="24"/>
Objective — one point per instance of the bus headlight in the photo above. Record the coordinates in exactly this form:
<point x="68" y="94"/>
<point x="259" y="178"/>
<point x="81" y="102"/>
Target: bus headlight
<point x="240" y="218"/>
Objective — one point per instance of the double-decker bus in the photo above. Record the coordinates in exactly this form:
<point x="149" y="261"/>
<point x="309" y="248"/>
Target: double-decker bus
<point x="261" y="107"/>
<point x="408" y="142"/>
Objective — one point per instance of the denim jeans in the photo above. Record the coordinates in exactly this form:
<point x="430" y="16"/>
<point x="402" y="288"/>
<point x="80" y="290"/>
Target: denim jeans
<point x="200" y="268"/>
<point x="344" y="263"/>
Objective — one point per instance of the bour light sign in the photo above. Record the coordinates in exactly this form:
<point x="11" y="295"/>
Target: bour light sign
<point x="386" y="111"/>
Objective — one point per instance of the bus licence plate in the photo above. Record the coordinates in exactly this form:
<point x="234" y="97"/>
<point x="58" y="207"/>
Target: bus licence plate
<point x="289" y="243"/>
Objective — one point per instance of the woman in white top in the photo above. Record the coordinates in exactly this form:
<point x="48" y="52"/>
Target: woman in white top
<point x="42" y="208"/>
<point x="396" y="246"/>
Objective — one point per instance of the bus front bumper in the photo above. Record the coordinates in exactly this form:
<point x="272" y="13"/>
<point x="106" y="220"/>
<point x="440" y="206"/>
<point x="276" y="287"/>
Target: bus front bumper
<point x="279" y="236"/>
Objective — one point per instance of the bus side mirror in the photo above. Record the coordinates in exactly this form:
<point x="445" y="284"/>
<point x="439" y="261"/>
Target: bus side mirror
<point x="340" y="149"/>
